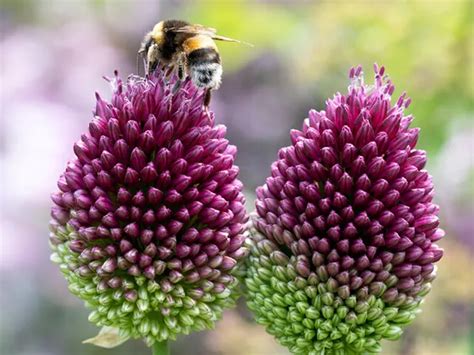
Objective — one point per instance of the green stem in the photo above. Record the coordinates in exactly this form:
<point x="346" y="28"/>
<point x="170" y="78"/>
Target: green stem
<point x="161" y="348"/>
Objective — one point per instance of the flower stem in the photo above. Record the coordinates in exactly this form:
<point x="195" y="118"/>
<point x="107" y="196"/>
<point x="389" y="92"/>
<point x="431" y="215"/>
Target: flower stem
<point x="161" y="348"/>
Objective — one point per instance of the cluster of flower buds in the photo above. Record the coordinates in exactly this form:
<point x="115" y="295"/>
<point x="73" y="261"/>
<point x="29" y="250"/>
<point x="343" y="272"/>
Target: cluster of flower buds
<point x="343" y="249"/>
<point x="148" y="224"/>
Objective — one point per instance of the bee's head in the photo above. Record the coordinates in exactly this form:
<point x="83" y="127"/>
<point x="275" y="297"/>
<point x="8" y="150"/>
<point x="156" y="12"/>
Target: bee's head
<point x="206" y="75"/>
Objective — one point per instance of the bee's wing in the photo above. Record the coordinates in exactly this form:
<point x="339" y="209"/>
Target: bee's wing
<point x="206" y="31"/>
<point x="193" y="29"/>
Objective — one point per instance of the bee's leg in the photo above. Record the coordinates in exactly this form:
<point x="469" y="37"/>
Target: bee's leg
<point x="176" y="86"/>
<point x="207" y="98"/>
<point x="152" y="60"/>
<point x="152" y="65"/>
<point x="169" y="71"/>
<point x="180" y="72"/>
<point x="207" y="101"/>
<point x="178" y="83"/>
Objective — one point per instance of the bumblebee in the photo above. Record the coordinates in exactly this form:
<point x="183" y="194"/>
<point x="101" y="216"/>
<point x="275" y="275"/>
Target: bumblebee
<point x="188" y="48"/>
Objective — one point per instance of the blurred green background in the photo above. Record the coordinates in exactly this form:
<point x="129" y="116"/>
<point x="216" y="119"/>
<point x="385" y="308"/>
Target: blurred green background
<point x="54" y="53"/>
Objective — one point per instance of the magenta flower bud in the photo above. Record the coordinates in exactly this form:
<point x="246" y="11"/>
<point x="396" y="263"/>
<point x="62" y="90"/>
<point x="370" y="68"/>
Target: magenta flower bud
<point x="228" y="263"/>
<point x="131" y="295"/>
<point x="345" y="227"/>
<point x="109" y="265"/>
<point x="150" y="211"/>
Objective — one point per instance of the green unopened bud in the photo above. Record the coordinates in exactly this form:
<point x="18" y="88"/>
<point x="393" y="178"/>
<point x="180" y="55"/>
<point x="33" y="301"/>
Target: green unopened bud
<point x="342" y="312"/>
<point x="302" y="307"/>
<point x="297" y="328"/>
<point x="317" y="302"/>
<point x="328" y="298"/>
<point x="251" y="285"/>
<point x="351" y="302"/>
<point x="265" y="261"/>
<point x="361" y="307"/>
<point x="322" y="273"/>
<point x="194" y="311"/>
<point x="295" y="316"/>
<point x="264" y="274"/>
<point x="280" y="312"/>
<point x="326" y="326"/>
<point x="266" y="246"/>
<point x="281" y="287"/>
<point x="300" y="282"/>
<point x="280" y="272"/>
<point x="105" y="299"/>
<point x="127" y="307"/>
<point x="332" y="285"/>
<point x="390" y="312"/>
<point x="343" y="328"/>
<point x="300" y="296"/>
<point x="291" y="272"/>
<point x="374" y="349"/>
<point x="350" y="338"/>
<point x="382" y="328"/>
<point x="289" y="299"/>
<point x="351" y="318"/>
<point x="170" y="322"/>
<point x="94" y="316"/>
<point x="224" y="294"/>
<point x="302" y="343"/>
<point x="142" y="305"/>
<point x="321" y="334"/>
<point x="362" y="318"/>
<point x="144" y="327"/>
<point x="358" y="344"/>
<point x="280" y="323"/>
<point x="393" y="333"/>
<point x="336" y="334"/>
<point x="374" y="313"/>
<point x="404" y="317"/>
<point x="391" y="281"/>
<point x="312" y="313"/>
<point x="279" y="258"/>
<point x="425" y="289"/>
<point x="344" y="292"/>
<point x="327" y="312"/>
<point x="278" y="300"/>
<point x="311" y="292"/>
<point x="309" y="334"/>
<point x="308" y="323"/>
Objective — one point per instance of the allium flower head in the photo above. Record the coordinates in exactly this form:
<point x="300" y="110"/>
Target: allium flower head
<point x="344" y="247"/>
<point x="148" y="223"/>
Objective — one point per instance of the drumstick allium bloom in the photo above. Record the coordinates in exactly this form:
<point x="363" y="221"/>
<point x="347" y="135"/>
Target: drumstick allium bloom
<point x="148" y="223"/>
<point x="343" y="249"/>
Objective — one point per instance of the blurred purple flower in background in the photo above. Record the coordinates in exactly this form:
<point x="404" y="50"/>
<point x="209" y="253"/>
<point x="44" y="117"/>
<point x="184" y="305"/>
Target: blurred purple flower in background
<point x="455" y="168"/>
<point x="344" y="250"/>
<point x="43" y="99"/>
<point x="239" y="102"/>
<point x="44" y="102"/>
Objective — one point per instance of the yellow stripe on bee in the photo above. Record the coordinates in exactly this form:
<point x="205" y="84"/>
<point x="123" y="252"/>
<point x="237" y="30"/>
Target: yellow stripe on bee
<point x="197" y="42"/>
<point x="157" y="32"/>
